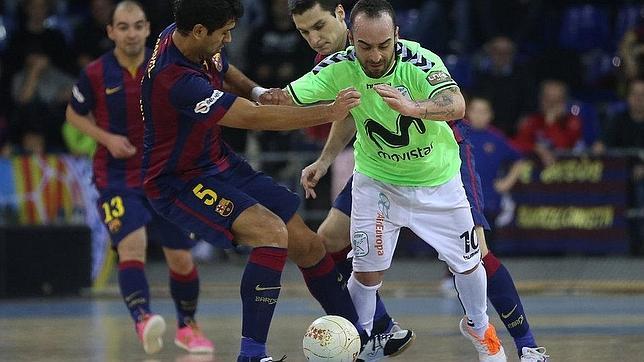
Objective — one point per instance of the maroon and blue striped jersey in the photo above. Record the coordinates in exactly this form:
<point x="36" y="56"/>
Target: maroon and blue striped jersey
<point x="111" y="94"/>
<point x="182" y="102"/>
<point x="460" y="129"/>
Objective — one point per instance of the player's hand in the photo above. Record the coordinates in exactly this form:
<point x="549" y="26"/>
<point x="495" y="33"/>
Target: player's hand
<point x="37" y="62"/>
<point x="547" y="157"/>
<point x="120" y="147"/>
<point x="276" y="96"/>
<point x="346" y="100"/>
<point x="396" y="100"/>
<point x="503" y="185"/>
<point x="311" y="175"/>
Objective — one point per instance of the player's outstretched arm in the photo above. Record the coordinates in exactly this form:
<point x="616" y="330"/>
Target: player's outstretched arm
<point x="119" y="146"/>
<point x="245" y="114"/>
<point x="236" y="82"/>
<point x="341" y="133"/>
<point x="446" y="105"/>
<point x="276" y="96"/>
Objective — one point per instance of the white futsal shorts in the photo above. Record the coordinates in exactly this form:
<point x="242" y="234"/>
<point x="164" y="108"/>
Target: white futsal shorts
<point x="439" y="215"/>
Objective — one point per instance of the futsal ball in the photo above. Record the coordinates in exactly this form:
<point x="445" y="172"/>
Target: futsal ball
<point x="331" y="338"/>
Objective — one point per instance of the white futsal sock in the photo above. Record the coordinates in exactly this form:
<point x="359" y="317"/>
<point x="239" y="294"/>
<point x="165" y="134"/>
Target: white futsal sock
<point x="364" y="299"/>
<point x="472" y="292"/>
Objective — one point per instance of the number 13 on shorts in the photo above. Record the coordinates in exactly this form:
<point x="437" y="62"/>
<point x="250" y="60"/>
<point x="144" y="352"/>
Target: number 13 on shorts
<point x="113" y="209"/>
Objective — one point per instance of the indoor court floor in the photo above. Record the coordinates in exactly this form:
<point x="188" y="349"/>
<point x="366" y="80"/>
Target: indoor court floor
<point x="573" y="325"/>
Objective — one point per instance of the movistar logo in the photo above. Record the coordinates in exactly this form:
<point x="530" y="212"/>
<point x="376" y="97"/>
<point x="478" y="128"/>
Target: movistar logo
<point x="378" y="133"/>
<point x="419" y="152"/>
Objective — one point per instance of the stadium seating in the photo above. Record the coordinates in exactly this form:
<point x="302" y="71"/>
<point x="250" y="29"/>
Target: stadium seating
<point x="460" y="69"/>
<point x="585" y="27"/>
<point x="627" y="17"/>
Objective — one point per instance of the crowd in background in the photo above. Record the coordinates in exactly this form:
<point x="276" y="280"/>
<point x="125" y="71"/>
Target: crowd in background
<point x="555" y="75"/>
<point x="576" y="62"/>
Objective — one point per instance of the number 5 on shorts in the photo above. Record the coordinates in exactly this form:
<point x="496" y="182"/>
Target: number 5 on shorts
<point x="208" y="196"/>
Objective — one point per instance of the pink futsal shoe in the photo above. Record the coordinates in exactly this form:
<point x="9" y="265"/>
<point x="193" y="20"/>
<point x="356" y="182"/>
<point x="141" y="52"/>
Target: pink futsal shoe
<point x="192" y="340"/>
<point x="150" y="330"/>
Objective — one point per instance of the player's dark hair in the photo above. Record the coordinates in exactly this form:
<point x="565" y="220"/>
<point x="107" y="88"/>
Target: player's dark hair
<point x="122" y="3"/>
<point x="298" y="7"/>
<point x="372" y="9"/>
<point x="212" y="14"/>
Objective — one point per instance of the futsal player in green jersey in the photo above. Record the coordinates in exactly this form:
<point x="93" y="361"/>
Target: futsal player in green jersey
<point x="407" y="163"/>
<point x="322" y="24"/>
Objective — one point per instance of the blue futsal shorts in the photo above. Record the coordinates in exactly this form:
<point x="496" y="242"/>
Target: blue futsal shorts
<point x="471" y="182"/>
<point x="124" y="211"/>
<point x="209" y="205"/>
<point x="343" y="201"/>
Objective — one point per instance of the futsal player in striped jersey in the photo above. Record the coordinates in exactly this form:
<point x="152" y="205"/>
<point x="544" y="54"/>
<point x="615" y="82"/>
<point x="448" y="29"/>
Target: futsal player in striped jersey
<point x="105" y="105"/>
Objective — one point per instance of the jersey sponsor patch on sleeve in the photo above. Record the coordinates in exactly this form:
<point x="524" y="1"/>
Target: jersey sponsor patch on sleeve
<point x="78" y="96"/>
<point x="204" y="106"/>
<point x="438" y="77"/>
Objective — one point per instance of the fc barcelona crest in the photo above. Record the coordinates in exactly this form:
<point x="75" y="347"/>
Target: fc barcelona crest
<point x="114" y="226"/>
<point x="224" y="207"/>
<point x="219" y="64"/>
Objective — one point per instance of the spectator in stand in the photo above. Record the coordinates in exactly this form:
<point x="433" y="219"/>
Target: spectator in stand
<point x="32" y="142"/>
<point x="40" y="92"/>
<point x="523" y="19"/>
<point x="90" y="39"/>
<point x="498" y="163"/>
<point x="32" y="33"/>
<point x="160" y="15"/>
<point x="507" y="84"/>
<point x="279" y="52"/>
<point x="255" y="13"/>
<point x="279" y="55"/>
<point x="631" y="51"/>
<point x="445" y="26"/>
<point x="33" y="76"/>
<point x="626" y="129"/>
<point x="551" y="129"/>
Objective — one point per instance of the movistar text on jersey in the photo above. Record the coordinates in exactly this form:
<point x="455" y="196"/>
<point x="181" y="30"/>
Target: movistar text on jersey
<point x="407" y="156"/>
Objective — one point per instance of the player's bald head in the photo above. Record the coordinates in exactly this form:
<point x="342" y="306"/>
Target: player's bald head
<point x="374" y="35"/>
<point x="366" y="10"/>
<point x="127" y="6"/>
<point x="298" y="7"/>
<point x="212" y="14"/>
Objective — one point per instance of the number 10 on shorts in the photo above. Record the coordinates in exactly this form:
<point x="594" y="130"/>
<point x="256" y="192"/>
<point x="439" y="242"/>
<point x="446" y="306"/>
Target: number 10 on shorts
<point x="469" y="237"/>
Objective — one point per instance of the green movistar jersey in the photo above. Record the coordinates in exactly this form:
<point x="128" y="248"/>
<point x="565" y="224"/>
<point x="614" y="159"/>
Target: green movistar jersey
<point x="390" y="147"/>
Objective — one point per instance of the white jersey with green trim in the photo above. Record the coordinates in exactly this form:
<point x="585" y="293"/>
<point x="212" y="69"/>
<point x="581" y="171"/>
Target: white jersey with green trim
<point x="390" y="147"/>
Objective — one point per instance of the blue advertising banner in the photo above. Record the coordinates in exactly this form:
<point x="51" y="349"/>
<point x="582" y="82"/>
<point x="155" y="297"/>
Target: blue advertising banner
<point x="575" y="206"/>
